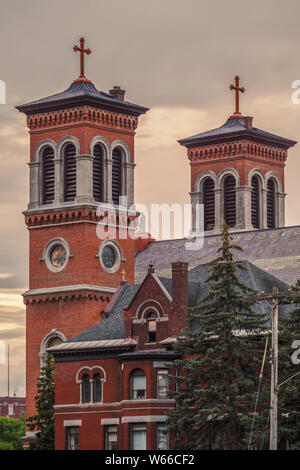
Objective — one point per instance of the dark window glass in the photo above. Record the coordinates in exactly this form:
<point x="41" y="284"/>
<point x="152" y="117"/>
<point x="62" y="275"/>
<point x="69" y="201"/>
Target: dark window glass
<point x="108" y="256"/>
<point x="151" y="327"/>
<point x="97" y="388"/>
<point x="86" y="389"/>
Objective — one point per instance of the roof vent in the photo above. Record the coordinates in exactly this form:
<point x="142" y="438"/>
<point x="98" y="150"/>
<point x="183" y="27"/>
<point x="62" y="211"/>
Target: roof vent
<point x="248" y="121"/>
<point x="117" y="92"/>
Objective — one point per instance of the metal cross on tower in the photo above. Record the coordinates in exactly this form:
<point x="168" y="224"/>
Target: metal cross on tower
<point x="82" y="51"/>
<point x="237" y="89"/>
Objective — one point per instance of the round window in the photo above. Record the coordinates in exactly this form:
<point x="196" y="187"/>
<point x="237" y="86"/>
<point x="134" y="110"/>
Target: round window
<point x="58" y="256"/>
<point x="109" y="256"/>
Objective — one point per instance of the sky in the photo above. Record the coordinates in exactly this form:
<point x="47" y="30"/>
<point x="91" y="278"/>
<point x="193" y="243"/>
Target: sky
<point x="177" y="58"/>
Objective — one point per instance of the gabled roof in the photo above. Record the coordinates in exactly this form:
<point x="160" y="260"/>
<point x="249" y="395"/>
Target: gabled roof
<point x="235" y="128"/>
<point x="113" y="327"/>
<point x="82" y="93"/>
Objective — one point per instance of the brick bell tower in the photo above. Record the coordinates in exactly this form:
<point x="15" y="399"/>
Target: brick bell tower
<point x="237" y="172"/>
<point x="81" y="155"/>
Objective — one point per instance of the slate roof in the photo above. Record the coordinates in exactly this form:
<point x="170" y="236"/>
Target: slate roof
<point x="80" y="93"/>
<point x="113" y="327"/>
<point x="235" y="128"/>
<point x="276" y="251"/>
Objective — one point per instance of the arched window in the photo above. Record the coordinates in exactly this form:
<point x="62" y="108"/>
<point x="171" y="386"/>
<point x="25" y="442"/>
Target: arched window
<point x="151" y="327"/>
<point x="116" y="175"/>
<point x="271" y="203"/>
<point x="69" y="172"/>
<point x="255" y="199"/>
<point x="209" y="203"/>
<point x="229" y="201"/>
<point x="48" y="175"/>
<point x="97" y="388"/>
<point x="86" y="389"/>
<point x="137" y="384"/>
<point x="98" y="173"/>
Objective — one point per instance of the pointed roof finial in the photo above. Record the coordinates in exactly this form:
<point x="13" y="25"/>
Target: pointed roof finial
<point x="82" y="51"/>
<point x="151" y="267"/>
<point x="237" y="89"/>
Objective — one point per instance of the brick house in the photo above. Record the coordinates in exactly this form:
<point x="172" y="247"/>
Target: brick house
<point x="12" y="407"/>
<point x="108" y="308"/>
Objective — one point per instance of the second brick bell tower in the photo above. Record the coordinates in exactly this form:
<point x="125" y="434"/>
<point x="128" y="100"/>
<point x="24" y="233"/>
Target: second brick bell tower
<point x="81" y="154"/>
<point x="237" y="173"/>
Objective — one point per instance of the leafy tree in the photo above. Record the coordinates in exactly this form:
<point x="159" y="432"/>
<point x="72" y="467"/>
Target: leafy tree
<point x="43" y="421"/>
<point x="221" y="350"/>
<point x="289" y="392"/>
<point x="11" y="431"/>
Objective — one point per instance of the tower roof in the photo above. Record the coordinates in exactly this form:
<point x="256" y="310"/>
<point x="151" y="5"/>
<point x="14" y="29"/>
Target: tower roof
<point x="236" y="128"/>
<point x="82" y="93"/>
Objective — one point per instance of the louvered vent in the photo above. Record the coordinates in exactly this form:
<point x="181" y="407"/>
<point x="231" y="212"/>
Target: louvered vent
<point x="116" y="175"/>
<point x="270" y="204"/>
<point x="209" y="204"/>
<point x="48" y="175"/>
<point x="255" y="202"/>
<point x="98" y="173"/>
<point x="229" y="201"/>
<point x="70" y="172"/>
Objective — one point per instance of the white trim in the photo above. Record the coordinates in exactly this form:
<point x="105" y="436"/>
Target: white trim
<point x="91" y="369"/>
<point x="72" y="288"/>
<point x="140" y="307"/>
<point x="118" y="253"/>
<point x="144" y="419"/>
<point x="72" y="422"/>
<point x="68" y="139"/>
<point x="158" y="401"/>
<point x="109" y="421"/>
<point x="47" y="252"/>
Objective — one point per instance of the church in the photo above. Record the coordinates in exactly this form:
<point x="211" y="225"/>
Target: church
<point x="109" y="310"/>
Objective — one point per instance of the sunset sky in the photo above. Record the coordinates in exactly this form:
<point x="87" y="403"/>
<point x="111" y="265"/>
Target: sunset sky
<point x="177" y="58"/>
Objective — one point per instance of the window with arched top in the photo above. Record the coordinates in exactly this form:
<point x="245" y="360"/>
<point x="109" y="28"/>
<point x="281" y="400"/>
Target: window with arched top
<point x="138" y="384"/>
<point x="229" y="201"/>
<point x="271" y="203"/>
<point x="98" y="170"/>
<point x="97" y="388"/>
<point x="209" y="203"/>
<point x="86" y="389"/>
<point x="255" y="201"/>
<point x="48" y="175"/>
<point x="69" y="172"/>
<point x="151" y="327"/>
<point x="116" y="175"/>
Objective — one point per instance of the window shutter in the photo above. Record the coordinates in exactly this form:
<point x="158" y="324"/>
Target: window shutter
<point x="255" y="202"/>
<point x="209" y="204"/>
<point x="116" y="175"/>
<point x="229" y="201"/>
<point x="70" y="172"/>
<point x="270" y="204"/>
<point x="98" y="173"/>
<point x="48" y="175"/>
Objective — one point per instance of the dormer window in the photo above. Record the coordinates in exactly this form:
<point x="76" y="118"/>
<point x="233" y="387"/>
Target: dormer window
<point x="151" y="327"/>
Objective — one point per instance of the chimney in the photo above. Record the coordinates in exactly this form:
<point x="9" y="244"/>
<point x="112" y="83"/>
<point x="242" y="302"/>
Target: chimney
<point x="248" y="121"/>
<point x="117" y="92"/>
<point x="180" y="283"/>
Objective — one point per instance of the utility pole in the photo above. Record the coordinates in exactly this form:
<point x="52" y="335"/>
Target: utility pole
<point x="8" y="370"/>
<point x="274" y="374"/>
<point x="274" y="297"/>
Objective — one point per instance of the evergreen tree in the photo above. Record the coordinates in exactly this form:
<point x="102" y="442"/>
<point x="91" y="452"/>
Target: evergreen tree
<point x="222" y="349"/>
<point x="43" y="421"/>
<point x="289" y="392"/>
